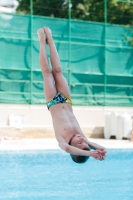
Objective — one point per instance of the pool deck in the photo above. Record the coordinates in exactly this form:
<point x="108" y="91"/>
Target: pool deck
<point x="48" y="143"/>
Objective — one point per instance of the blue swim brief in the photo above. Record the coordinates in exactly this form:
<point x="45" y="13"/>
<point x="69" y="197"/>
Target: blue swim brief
<point x="59" y="98"/>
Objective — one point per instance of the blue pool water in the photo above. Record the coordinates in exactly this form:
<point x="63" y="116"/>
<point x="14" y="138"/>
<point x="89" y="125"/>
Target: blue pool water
<point x="52" y="175"/>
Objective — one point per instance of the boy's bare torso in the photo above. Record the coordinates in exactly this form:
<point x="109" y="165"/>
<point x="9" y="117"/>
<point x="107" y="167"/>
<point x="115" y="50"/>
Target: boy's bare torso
<point x="64" y="122"/>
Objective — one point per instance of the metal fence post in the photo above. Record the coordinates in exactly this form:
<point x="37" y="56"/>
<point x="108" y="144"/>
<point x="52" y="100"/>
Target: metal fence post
<point x="69" y="44"/>
<point x="31" y="29"/>
<point x="105" y="32"/>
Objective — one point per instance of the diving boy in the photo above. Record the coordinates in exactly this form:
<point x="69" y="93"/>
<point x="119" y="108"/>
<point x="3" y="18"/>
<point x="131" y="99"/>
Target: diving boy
<point x="67" y="130"/>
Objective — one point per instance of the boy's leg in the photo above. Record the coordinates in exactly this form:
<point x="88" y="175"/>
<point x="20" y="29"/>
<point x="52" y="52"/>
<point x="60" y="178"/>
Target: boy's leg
<point x="60" y="81"/>
<point x="49" y="85"/>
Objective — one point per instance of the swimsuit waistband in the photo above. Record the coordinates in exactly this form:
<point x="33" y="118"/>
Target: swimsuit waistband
<point x="59" y="98"/>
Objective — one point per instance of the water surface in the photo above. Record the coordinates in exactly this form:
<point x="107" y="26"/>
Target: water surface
<point x="52" y="175"/>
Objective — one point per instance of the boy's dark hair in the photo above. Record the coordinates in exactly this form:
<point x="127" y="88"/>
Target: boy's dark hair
<point x="79" y="159"/>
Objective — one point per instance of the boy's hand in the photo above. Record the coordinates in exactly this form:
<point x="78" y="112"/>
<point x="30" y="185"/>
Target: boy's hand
<point x="99" y="154"/>
<point x="102" y="154"/>
<point x="96" y="154"/>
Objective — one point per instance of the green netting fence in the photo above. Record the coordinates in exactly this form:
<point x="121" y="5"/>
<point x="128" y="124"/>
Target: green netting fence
<point x="96" y="59"/>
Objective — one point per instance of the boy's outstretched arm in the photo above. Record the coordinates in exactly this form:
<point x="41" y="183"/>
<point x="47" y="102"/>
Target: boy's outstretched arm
<point x="101" y="149"/>
<point x="76" y="151"/>
<point x="96" y="146"/>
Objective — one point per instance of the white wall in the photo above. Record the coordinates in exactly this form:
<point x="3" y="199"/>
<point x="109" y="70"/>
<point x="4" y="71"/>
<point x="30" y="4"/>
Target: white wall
<point x="39" y="116"/>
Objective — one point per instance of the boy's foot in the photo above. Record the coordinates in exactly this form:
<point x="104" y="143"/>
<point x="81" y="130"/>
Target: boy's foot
<point x="41" y="35"/>
<point x="48" y="33"/>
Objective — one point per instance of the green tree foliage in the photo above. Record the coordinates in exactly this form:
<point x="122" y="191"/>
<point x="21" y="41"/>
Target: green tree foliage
<point x="90" y="10"/>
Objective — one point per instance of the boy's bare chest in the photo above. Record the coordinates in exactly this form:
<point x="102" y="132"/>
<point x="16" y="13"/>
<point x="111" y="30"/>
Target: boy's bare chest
<point x="66" y="130"/>
<point x="64" y="122"/>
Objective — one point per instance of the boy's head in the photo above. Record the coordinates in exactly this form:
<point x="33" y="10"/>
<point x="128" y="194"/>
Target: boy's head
<point x="81" y="143"/>
<point x="79" y="159"/>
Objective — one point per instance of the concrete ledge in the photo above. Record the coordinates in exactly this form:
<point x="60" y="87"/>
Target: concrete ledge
<point x="36" y="132"/>
<point x="27" y="132"/>
<point x="48" y="143"/>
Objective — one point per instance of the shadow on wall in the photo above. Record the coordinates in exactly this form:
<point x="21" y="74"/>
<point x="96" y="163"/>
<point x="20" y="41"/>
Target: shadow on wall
<point x="97" y="132"/>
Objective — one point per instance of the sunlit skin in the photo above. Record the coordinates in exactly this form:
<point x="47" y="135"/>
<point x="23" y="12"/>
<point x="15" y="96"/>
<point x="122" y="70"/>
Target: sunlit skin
<point x="67" y="129"/>
<point x="81" y="142"/>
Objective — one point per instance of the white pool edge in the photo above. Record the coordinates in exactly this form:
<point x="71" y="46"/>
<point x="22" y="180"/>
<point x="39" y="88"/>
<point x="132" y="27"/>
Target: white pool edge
<point x="48" y="143"/>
